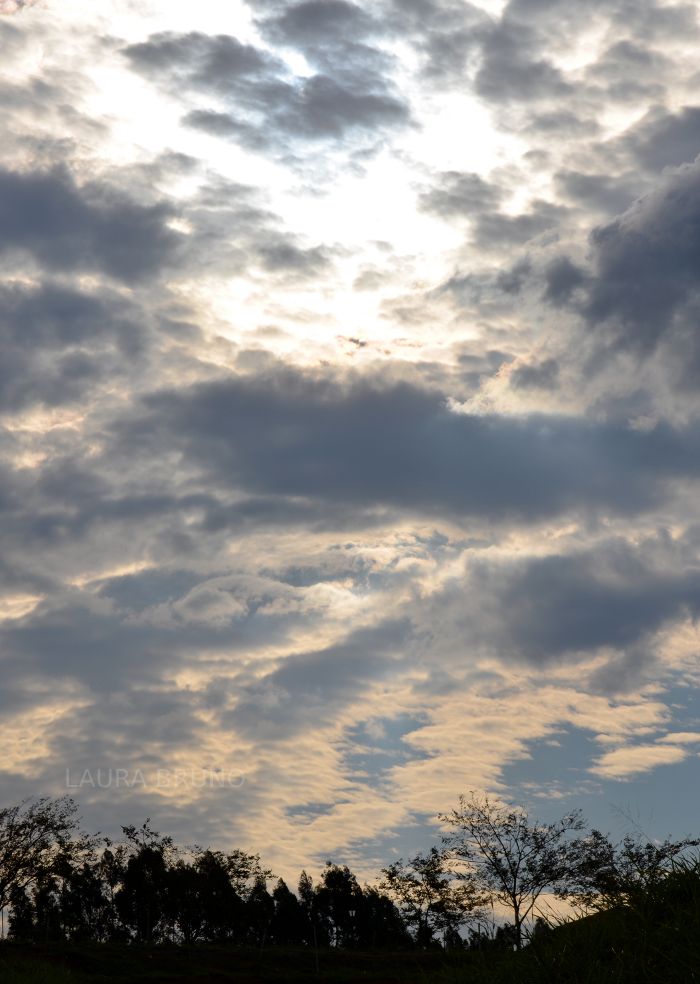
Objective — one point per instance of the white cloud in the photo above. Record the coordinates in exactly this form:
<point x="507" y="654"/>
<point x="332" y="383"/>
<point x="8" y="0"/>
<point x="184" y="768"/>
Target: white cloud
<point x="631" y="760"/>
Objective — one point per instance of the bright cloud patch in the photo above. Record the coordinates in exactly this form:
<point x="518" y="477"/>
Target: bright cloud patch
<point x="629" y="761"/>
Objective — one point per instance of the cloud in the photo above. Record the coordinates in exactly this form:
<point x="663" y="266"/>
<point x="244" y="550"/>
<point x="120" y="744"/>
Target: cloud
<point x="497" y="230"/>
<point x="681" y="738"/>
<point x="645" y="264"/>
<point x="309" y="688"/>
<point x="663" y="139"/>
<point x="612" y="596"/>
<point x="608" y="193"/>
<point x="222" y="543"/>
<point x="456" y="194"/>
<point x="630" y="70"/>
<point x="512" y="69"/>
<point x="94" y="227"/>
<point x="632" y="760"/>
<point x="262" y="105"/>
<point x="13" y="6"/>
<point x="319" y="21"/>
<point x="368" y="445"/>
<point x="539" y="375"/>
<point x="59" y="342"/>
<point x="562" y="278"/>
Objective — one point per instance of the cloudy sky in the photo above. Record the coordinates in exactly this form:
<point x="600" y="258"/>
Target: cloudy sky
<point x="349" y="414"/>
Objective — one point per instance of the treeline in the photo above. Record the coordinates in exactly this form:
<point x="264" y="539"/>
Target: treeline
<point x="60" y="884"/>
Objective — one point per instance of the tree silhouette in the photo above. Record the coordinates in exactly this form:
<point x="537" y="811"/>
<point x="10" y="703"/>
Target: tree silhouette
<point x="605" y="873"/>
<point x="61" y="885"/>
<point x="22" y="924"/>
<point x="223" y="906"/>
<point x="512" y="858"/>
<point x="338" y="901"/>
<point x="379" y="924"/>
<point x="260" y="910"/>
<point x="34" y="836"/>
<point x="142" y="898"/>
<point x="428" y="896"/>
<point x="290" y="922"/>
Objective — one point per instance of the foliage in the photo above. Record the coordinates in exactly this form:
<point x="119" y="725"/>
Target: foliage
<point x="35" y="838"/>
<point x="607" y="873"/>
<point x="429" y="898"/>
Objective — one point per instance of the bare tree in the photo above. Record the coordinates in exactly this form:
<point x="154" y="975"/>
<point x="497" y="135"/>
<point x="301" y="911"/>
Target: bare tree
<point x="510" y="856"/>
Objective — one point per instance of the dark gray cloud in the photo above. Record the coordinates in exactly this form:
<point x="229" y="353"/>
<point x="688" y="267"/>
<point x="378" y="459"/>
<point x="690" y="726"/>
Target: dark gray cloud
<point x="537" y="375"/>
<point x="563" y="123"/>
<point x="646" y="19"/>
<point x="657" y="21"/>
<point x="205" y="61"/>
<point x="443" y="33"/>
<point x="609" y="193"/>
<point x="513" y="68"/>
<point x="610" y="599"/>
<point x="665" y="139"/>
<point x="93" y="227"/>
<point x="77" y="642"/>
<point x="477" y="366"/>
<point x="262" y="104"/>
<point x="456" y="194"/>
<point x="513" y="279"/>
<point x="646" y="264"/>
<point x="496" y="230"/>
<point x="57" y="342"/>
<point x="131" y="636"/>
<point x="317" y="108"/>
<point x="319" y="21"/>
<point x="371" y="446"/>
<point x="517" y="65"/>
<point x="631" y="71"/>
<point x="562" y="278"/>
<point x="134" y="593"/>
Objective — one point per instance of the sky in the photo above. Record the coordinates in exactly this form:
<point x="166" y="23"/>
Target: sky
<point x="349" y="410"/>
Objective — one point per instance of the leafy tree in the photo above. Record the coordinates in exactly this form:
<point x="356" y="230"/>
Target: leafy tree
<point x="428" y="896"/>
<point x="290" y="922"/>
<point x="338" y="901"/>
<point x="22" y="924"/>
<point x="110" y="868"/>
<point x="47" y="900"/>
<point x="511" y="857"/>
<point x="141" y="900"/>
<point x="34" y="837"/>
<point x="244" y="870"/>
<point x="306" y="892"/>
<point x="379" y="923"/>
<point x="87" y="911"/>
<point x="186" y="889"/>
<point x="321" y="929"/>
<point x="260" y="911"/>
<point x="225" y="879"/>
<point x="605" y="873"/>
